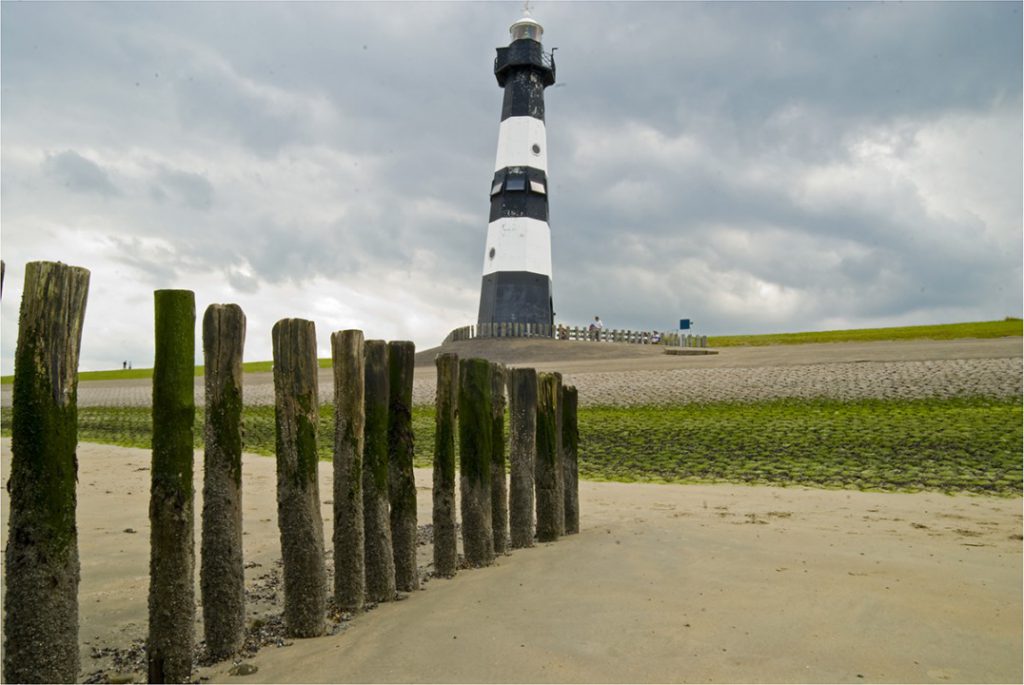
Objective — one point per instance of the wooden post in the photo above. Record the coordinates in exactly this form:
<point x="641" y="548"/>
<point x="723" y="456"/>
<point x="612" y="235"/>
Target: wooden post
<point x="380" y="561"/>
<point x="446" y="557"/>
<point x="222" y="572"/>
<point x="499" y="482"/>
<point x="522" y="396"/>
<point x="550" y="519"/>
<point x="570" y="459"/>
<point x="401" y="479"/>
<point x="41" y="569"/>
<point x="296" y="414"/>
<point x="172" y="494"/>
<point x="559" y="470"/>
<point x="475" y="422"/>
<point x="349" y="398"/>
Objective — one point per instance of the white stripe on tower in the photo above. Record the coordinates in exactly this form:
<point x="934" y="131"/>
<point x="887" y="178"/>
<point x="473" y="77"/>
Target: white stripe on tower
<point x="516" y="283"/>
<point x="520" y="244"/>
<point x="516" y="139"/>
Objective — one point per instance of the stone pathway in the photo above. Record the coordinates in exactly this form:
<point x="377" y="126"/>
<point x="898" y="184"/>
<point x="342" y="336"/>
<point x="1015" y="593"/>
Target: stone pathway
<point x="999" y="377"/>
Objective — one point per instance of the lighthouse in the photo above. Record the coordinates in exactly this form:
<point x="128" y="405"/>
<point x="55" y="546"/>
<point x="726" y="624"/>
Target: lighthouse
<point x="516" y="285"/>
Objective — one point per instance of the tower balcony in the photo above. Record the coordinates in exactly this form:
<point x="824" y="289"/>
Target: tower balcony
<point x="524" y="53"/>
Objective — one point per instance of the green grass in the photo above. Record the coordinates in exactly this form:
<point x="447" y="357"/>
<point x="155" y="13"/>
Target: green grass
<point x="951" y="445"/>
<point x="963" y="444"/>
<point x="128" y="374"/>
<point x="953" y="331"/>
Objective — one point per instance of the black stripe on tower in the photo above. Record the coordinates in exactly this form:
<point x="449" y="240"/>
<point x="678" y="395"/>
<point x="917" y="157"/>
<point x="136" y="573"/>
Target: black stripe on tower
<point x="518" y="296"/>
<point x="524" y="95"/>
<point x="524" y="71"/>
<point x="519" y="191"/>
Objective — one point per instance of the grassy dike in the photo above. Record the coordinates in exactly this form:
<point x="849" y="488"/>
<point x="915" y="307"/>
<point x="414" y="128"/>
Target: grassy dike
<point x="1008" y="327"/>
<point x="948" y="445"/>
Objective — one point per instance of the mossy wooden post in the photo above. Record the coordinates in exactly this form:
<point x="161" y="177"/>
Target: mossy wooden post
<point x="522" y="398"/>
<point x="222" y="573"/>
<point x="475" y="426"/>
<point x="172" y="495"/>
<point x="570" y="459"/>
<point x="401" y="479"/>
<point x="349" y="560"/>
<point x="298" y="492"/>
<point x="548" y="465"/>
<point x="446" y="555"/>
<point x="499" y="480"/>
<point x="559" y="470"/>
<point x="41" y="568"/>
<point x="380" y="561"/>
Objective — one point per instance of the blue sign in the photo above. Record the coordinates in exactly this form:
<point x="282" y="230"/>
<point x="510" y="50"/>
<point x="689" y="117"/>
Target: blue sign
<point x="684" y="324"/>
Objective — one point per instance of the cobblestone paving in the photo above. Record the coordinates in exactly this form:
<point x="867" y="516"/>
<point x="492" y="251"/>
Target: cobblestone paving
<point x="846" y="381"/>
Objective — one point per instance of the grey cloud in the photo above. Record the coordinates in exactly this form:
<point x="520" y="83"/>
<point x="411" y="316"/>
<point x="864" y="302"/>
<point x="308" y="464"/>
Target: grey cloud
<point x="189" y="189"/>
<point x="77" y="173"/>
<point x="158" y="267"/>
<point x="216" y="103"/>
<point x="242" y="282"/>
<point x="742" y="63"/>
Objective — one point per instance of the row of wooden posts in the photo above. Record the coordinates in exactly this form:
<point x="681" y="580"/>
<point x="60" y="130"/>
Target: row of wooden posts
<point x="562" y="332"/>
<point x="373" y="483"/>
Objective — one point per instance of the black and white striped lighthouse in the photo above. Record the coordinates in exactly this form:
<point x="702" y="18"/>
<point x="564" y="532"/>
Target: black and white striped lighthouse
<point x="517" y="258"/>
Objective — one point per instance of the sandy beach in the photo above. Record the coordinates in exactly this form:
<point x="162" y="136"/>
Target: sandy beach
<point x="664" y="583"/>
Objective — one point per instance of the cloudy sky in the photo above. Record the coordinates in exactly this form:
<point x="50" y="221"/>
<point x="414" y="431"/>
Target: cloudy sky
<point x="756" y="167"/>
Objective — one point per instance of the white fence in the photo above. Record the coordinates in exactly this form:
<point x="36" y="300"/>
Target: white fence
<point x="561" y="332"/>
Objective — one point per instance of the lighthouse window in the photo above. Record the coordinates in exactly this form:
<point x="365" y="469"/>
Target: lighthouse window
<point x="538" y="187"/>
<point x="520" y="31"/>
<point x="536" y="149"/>
<point x="496" y="188"/>
<point x="515" y="183"/>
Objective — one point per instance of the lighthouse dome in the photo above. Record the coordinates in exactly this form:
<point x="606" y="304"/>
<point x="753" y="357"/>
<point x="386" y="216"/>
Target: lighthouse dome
<point x="527" y="27"/>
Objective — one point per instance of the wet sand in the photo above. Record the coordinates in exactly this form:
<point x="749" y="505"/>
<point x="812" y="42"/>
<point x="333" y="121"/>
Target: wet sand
<point x="665" y="583"/>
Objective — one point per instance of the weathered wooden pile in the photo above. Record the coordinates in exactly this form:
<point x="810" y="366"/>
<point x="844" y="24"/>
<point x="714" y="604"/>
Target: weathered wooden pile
<point x="374" y="488"/>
